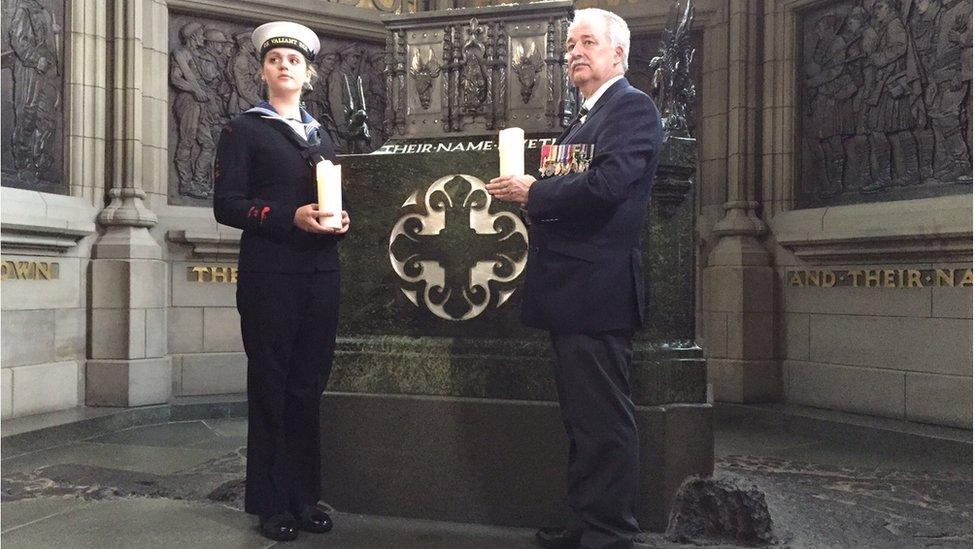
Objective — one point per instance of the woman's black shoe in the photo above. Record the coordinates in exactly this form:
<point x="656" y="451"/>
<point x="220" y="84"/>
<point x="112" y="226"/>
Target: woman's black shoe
<point x="314" y="520"/>
<point x="279" y="527"/>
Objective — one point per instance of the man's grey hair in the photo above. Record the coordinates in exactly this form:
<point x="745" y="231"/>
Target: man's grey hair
<point x="616" y="27"/>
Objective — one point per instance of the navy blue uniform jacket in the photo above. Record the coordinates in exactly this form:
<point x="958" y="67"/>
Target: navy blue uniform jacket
<point x="584" y="272"/>
<point x="262" y="174"/>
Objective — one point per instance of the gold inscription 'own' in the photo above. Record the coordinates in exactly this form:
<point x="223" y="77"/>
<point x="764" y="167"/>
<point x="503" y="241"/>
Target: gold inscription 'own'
<point x="28" y="270"/>
<point x="881" y="278"/>
<point x="203" y="273"/>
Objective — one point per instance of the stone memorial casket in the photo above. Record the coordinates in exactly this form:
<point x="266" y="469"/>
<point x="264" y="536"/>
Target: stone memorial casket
<point x="441" y="404"/>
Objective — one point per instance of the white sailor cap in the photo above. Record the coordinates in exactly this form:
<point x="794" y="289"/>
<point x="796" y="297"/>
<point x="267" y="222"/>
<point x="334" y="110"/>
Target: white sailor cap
<point x="285" y="34"/>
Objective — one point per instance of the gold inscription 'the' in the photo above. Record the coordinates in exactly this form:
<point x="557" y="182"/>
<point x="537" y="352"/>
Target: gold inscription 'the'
<point x="204" y="273"/>
<point x="28" y="270"/>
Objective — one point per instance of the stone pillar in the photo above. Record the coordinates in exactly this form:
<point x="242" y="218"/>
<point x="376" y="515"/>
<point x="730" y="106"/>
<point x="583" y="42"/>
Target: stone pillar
<point x="739" y="281"/>
<point x="128" y="363"/>
<point x="85" y="92"/>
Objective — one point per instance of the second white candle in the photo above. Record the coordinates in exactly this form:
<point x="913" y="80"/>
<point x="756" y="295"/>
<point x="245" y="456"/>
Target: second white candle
<point x="328" y="177"/>
<point x="511" y="151"/>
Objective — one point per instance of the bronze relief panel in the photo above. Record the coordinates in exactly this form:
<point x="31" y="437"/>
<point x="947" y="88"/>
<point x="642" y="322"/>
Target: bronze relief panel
<point x="214" y="75"/>
<point x="33" y="102"/>
<point x="884" y="106"/>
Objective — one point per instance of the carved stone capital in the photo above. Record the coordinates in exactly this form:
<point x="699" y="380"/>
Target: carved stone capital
<point x="740" y="220"/>
<point x="127" y="209"/>
<point x="740" y="230"/>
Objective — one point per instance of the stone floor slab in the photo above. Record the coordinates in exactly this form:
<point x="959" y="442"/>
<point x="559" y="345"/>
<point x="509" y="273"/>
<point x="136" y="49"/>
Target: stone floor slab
<point x="746" y="440"/>
<point x="224" y="443"/>
<point x="165" y="435"/>
<point x="870" y="456"/>
<point x="234" y="427"/>
<point x="140" y="522"/>
<point x="143" y="459"/>
<point x="18" y="514"/>
<point x="822" y="491"/>
<point x="372" y="532"/>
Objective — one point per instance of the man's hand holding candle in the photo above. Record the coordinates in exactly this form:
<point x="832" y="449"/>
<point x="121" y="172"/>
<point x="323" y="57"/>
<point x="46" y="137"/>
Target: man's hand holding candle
<point x="513" y="184"/>
<point x="511" y="188"/>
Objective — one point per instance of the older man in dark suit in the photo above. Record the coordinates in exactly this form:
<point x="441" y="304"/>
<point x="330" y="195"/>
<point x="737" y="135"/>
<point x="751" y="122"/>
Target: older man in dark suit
<point x="584" y="279"/>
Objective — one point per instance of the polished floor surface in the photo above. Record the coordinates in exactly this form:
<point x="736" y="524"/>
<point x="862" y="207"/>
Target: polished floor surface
<point x="176" y="484"/>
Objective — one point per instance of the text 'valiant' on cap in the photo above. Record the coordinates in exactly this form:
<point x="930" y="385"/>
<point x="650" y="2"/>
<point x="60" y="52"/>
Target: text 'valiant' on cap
<point x="285" y="34"/>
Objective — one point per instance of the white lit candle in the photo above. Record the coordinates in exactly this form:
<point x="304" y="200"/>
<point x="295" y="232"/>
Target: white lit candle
<point x="511" y="151"/>
<point x="328" y="176"/>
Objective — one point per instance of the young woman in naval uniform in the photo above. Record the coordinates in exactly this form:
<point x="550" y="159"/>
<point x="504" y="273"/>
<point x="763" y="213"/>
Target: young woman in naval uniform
<point x="288" y="281"/>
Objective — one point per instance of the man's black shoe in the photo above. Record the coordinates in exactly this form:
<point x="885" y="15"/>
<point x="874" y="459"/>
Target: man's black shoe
<point x="279" y="527"/>
<point x="557" y="538"/>
<point x="314" y="520"/>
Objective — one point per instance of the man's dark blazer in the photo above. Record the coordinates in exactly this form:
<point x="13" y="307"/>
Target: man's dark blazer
<point x="584" y="272"/>
<point x="264" y="172"/>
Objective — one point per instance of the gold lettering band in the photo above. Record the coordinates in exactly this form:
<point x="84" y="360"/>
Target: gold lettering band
<point x="29" y="270"/>
<point x="211" y="273"/>
<point x="881" y="278"/>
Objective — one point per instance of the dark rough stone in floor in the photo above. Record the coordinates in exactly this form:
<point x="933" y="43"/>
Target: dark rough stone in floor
<point x="719" y="510"/>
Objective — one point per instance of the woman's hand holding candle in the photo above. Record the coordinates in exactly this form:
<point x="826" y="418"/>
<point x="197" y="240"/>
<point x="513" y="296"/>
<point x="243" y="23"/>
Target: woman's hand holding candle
<point x="326" y="216"/>
<point x="308" y="219"/>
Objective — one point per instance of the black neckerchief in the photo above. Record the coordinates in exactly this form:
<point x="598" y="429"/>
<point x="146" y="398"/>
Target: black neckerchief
<point x="312" y="151"/>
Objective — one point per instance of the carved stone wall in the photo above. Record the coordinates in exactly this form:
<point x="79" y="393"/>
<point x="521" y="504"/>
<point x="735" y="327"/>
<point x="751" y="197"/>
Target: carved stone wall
<point x="885" y="89"/>
<point x="214" y="75"/>
<point x="33" y="89"/>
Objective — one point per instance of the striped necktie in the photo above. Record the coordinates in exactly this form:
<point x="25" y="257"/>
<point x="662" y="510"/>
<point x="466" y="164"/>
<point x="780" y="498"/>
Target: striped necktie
<point x="576" y="125"/>
<point x="581" y="115"/>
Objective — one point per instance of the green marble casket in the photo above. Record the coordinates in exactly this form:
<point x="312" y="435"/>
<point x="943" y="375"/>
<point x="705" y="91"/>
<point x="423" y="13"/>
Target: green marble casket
<point x="441" y="405"/>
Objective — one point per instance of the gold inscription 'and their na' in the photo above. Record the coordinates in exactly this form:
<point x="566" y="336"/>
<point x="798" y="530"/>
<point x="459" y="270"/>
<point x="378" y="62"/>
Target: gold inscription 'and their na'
<point x="881" y="278"/>
<point x="820" y="278"/>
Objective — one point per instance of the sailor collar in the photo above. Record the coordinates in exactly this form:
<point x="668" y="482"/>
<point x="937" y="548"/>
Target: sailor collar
<point x="309" y="124"/>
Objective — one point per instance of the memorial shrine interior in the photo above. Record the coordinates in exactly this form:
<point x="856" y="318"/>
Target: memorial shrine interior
<point x="808" y="243"/>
